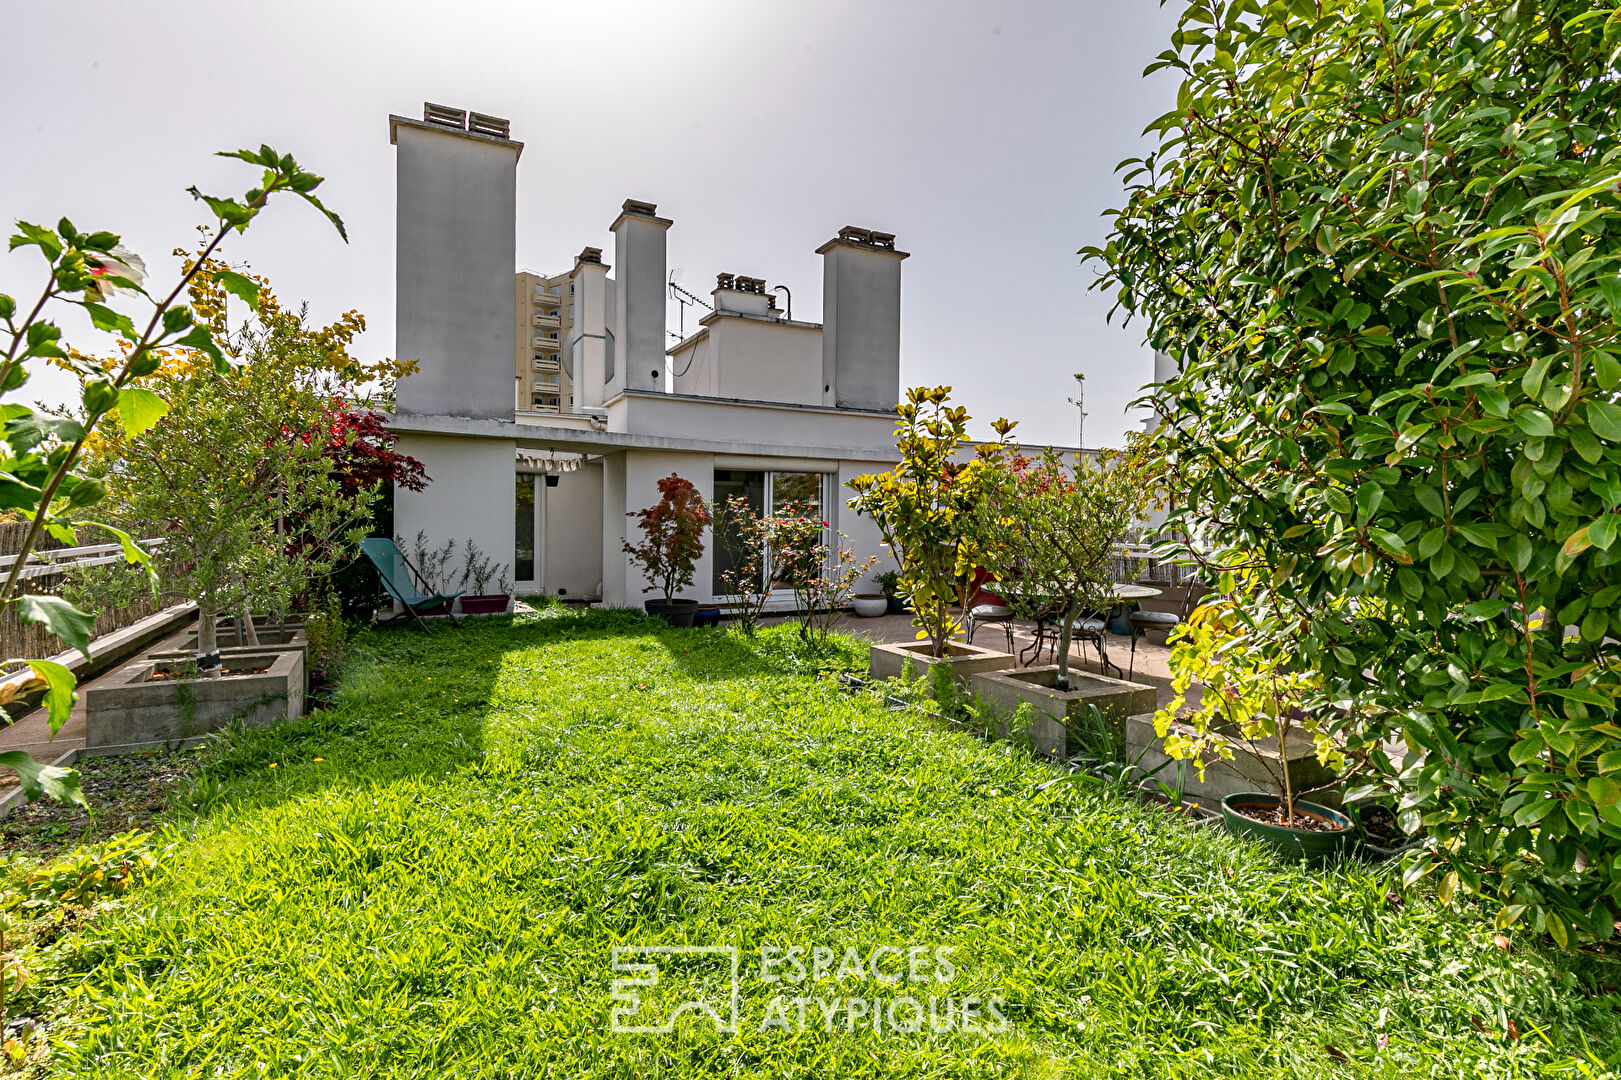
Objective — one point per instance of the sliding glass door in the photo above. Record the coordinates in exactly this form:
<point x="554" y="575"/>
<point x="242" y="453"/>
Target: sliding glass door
<point x="797" y="494"/>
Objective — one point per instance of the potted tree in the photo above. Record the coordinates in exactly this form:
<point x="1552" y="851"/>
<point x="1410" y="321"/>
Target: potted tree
<point x="924" y="510"/>
<point x="1256" y="705"/>
<point x="1048" y="532"/>
<point x="672" y="541"/>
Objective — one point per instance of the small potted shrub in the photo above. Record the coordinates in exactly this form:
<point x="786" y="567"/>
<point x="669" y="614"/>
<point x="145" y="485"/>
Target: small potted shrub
<point x="672" y="542"/>
<point x="1253" y="703"/>
<point x="478" y="571"/>
<point x="889" y="584"/>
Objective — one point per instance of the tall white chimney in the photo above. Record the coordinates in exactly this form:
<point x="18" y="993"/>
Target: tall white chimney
<point x="588" y="346"/>
<point x="638" y="321"/>
<point x="455" y="247"/>
<point x="861" y="320"/>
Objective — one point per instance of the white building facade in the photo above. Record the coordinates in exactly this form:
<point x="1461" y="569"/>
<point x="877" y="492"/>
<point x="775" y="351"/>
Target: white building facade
<point x="783" y="411"/>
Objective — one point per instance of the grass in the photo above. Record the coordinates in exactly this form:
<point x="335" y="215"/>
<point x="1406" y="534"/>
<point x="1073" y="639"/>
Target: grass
<point x="428" y="880"/>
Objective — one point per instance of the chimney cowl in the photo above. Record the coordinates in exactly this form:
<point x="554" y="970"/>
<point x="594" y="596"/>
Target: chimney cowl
<point x="870" y="239"/>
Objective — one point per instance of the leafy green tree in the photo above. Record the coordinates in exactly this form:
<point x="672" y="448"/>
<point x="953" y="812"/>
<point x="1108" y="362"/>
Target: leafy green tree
<point x="39" y="463"/>
<point x="237" y="477"/>
<point x="1380" y="239"/>
<point x="1049" y="528"/>
<point x="924" y="508"/>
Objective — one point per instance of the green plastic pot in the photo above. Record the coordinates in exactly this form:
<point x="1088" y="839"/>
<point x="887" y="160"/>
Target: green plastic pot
<point x="1305" y="844"/>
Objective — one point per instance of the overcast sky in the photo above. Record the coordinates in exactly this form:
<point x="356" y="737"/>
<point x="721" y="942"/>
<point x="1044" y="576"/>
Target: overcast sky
<point x="984" y="135"/>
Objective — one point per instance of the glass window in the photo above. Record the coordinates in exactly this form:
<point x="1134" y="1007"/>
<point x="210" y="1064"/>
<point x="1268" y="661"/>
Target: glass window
<point x="728" y="551"/>
<point x="523" y="555"/>
<point x="785" y="493"/>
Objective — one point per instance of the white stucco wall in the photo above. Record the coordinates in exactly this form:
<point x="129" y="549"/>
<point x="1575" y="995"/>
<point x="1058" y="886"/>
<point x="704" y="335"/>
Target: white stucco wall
<point x="756" y="360"/>
<point x="863" y="536"/>
<point x="471" y="495"/>
<point x="573" y="546"/>
<point x="786" y="427"/>
<point x="455" y="248"/>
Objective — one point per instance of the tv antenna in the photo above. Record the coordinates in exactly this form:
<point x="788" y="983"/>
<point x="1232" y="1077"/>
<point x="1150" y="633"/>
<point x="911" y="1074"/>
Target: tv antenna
<point x="682" y="297"/>
<point x="1079" y="401"/>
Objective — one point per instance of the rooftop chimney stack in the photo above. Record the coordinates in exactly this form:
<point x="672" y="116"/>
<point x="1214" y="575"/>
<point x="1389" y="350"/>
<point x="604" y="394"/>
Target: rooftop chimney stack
<point x="743" y="295"/>
<point x="861" y="320"/>
<point x="588" y="356"/>
<point x="455" y="229"/>
<point x="639" y="300"/>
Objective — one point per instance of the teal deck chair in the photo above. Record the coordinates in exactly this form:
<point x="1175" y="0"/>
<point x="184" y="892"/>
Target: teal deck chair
<point x="405" y="582"/>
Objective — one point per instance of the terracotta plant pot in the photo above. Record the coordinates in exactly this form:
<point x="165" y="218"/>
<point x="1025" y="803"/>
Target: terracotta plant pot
<point x="869" y="605"/>
<point x="493" y="604"/>
<point x="1314" y="845"/>
<point x="674" y="612"/>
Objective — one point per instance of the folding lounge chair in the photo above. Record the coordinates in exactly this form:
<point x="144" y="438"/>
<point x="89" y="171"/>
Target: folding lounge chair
<point x="404" y="582"/>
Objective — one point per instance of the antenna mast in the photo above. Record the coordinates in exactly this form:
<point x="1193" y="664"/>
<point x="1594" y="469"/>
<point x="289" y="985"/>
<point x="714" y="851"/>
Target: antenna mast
<point x="1079" y="401"/>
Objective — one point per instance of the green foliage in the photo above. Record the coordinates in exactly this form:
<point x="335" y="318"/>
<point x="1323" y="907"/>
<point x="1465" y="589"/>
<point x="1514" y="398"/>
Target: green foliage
<point x="1381" y="241"/>
<point x="328" y="638"/>
<point x="924" y="508"/>
<point x="672" y="536"/>
<point x="1248" y="692"/>
<point x="88" y="874"/>
<point x="740" y="533"/>
<point x="236" y="474"/>
<point x="40" y="456"/>
<point x="1048" y="531"/>
<point x="493" y="811"/>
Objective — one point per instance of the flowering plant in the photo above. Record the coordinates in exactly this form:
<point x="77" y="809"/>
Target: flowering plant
<point x="742" y="535"/>
<point x="822" y="575"/>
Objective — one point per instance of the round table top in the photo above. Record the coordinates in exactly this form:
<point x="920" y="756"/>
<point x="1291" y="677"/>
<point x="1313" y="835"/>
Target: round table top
<point x="1135" y="592"/>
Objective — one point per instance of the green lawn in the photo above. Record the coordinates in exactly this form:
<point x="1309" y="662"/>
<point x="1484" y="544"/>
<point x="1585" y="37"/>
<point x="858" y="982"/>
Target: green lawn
<point x="498" y="808"/>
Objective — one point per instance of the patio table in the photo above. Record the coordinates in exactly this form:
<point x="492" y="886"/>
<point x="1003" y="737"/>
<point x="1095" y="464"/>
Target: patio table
<point x="1047" y="633"/>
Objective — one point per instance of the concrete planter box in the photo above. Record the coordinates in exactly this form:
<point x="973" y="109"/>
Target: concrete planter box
<point x="184" y="647"/>
<point x="1116" y="699"/>
<point x="128" y="710"/>
<point x="1249" y="770"/>
<point x="886" y="661"/>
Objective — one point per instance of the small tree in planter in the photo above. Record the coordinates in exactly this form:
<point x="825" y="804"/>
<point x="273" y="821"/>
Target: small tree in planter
<point x="1049" y="528"/>
<point x="237" y="475"/>
<point x="821" y="575"/>
<point x="1251" y="696"/>
<point x="924" y="509"/>
<point x="672" y="542"/>
<point x="742" y="534"/>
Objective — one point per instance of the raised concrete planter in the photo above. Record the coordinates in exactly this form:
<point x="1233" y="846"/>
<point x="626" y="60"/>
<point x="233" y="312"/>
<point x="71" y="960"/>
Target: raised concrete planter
<point x="127" y="710"/>
<point x="184" y="646"/>
<point x="1116" y="699"/>
<point x="886" y="661"/>
<point x="1249" y="770"/>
